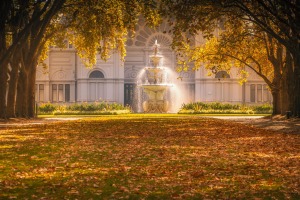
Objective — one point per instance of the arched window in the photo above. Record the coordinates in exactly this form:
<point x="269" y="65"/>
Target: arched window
<point x="161" y="39"/>
<point x="222" y="74"/>
<point x="96" y="74"/>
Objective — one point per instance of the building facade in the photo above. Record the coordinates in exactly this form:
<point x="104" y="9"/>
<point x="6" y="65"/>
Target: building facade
<point x="67" y="80"/>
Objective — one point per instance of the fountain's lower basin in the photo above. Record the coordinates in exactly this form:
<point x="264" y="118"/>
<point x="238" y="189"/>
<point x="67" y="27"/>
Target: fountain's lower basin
<point x="156" y="102"/>
<point x="156" y="106"/>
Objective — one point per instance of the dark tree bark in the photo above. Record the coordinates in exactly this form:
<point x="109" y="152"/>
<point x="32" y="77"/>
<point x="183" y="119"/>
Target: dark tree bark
<point x="4" y="13"/>
<point x="284" y="95"/>
<point x="22" y="92"/>
<point x="289" y="80"/>
<point x="12" y="90"/>
<point x="3" y="89"/>
<point x="296" y="86"/>
<point x="276" y="102"/>
<point x="31" y="90"/>
<point x="297" y="60"/>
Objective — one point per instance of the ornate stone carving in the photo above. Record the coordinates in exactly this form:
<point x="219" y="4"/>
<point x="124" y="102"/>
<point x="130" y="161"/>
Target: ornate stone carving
<point x="145" y="36"/>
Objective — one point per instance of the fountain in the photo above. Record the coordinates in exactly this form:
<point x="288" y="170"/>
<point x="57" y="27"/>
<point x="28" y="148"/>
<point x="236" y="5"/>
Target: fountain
<point x="155" y="85"/>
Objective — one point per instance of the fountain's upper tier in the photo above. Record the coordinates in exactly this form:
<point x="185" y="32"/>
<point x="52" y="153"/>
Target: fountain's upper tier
<point x="155" y="60"/>
<point x="155" y="75"/>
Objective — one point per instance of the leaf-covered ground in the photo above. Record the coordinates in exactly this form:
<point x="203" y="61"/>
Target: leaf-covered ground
<point x="148" y="157"/>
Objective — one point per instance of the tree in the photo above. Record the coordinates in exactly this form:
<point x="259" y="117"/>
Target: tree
<point x="17" y="31"/>
<point x="242" y="46"/>
<point x="279" y="19"/>
<point x="93" y="26"/>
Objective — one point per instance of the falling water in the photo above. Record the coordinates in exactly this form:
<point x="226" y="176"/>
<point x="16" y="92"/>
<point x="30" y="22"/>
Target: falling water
<point x="158" y="89"/>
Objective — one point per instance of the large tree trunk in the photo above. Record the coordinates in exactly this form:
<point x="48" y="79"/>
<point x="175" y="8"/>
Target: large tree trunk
<point x="19" y="96"/>
<point x="296" y="58"/>
<point x="4" y="10"/>
<point x="275" y="91"/>
<point x="290" y="82"/>
<point x="3" y="89"/>
<point x="3" y="72"/>
<point x="296" y="103"/>
<point x="31" y="90"/>
<point x="25" y="100"/>
<point x="22" y="95"/>
<point x="12" y="91"/>
<point x="284" y="95"/>
<point x="293" y="81"/>
<point x="276" y="102"/>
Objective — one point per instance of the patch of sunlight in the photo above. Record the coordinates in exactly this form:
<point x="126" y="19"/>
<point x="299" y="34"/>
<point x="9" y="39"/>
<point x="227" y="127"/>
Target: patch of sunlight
<point x="35" y="138"/>
<point x="294" y="156"/>
<point x="200" y="136"/>
<point x="163" y="178"/>
<point x="270" y="185"/>
<point x="7" y="135"/>
<point x="18" y="137"/>
<point x="212" y="187"/>
<point x="251" y="138"/>
<point x="6" y="146"/>
<point x="132" y="137"/>
<point x="198" y="154"/>
<point x="278" y="127"/>
<point x="263" y="155"/>
<point x="40" y="174"/>
<point x="64" y="119"/>
<point x="36" y="158"/>
<point x="12" y="138"/>
<point x="178" y="147"/>
<point x="38" y="132"/>
<point x="242" y="177"/>
<point x="52" y="172"/>
<point x="62" y="137"/>
<point x="24" y="130"/>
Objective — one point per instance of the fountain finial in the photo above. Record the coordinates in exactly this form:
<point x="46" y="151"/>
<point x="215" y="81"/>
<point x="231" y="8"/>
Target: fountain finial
<point x="156" y="45"/>
<point x="155" y="58"/>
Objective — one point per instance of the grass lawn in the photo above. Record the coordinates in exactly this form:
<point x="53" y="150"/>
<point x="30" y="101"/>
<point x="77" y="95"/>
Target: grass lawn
<point x="151" y="115"/>
<point x="148" y="157"/>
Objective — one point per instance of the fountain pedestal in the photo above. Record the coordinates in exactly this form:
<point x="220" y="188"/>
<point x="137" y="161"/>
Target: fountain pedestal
<point x="156" y="102"/>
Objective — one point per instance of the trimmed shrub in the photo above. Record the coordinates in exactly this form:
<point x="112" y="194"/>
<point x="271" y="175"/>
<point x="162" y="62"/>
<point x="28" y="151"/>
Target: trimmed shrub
<point x="112" y="112"/>
<point x="226" y="108"/>
<point x="46" y="108"/>
<point x="84" y="108"/>
<point x="266" y="108"/>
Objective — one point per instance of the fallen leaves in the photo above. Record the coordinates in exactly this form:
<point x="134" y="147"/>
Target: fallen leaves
<point x="142" y="157"/>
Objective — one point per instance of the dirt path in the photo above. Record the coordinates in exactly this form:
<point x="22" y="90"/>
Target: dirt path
<point x="277" y="123"/>
<point x="26" y="122"/>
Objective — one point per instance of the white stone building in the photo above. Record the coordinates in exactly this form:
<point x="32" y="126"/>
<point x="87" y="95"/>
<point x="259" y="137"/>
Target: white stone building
<point x="67" y="80"/>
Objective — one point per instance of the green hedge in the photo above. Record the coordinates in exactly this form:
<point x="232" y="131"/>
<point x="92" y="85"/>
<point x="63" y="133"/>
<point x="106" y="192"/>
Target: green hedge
<point x="83" y="108"/>
<point x="112" y="112"/>
<point x="224" y="108"/>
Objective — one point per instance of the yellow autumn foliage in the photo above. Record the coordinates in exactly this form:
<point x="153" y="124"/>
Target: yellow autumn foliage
<point x="236" y="46"/>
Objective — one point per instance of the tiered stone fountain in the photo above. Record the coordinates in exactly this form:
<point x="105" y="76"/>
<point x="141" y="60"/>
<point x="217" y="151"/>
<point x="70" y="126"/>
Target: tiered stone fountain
<point x="155" y="85"/>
